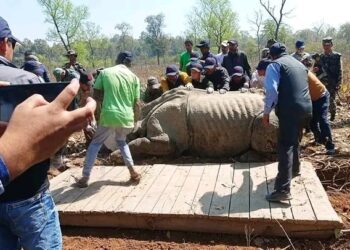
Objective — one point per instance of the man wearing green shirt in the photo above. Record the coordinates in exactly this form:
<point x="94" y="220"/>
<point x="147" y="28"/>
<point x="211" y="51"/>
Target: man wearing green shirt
<point x="185" y="56"/>
<point x="120" y="89"/>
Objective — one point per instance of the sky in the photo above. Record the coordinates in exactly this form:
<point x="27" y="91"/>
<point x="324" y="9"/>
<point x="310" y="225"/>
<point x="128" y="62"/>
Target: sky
<point x="27" y="20"/>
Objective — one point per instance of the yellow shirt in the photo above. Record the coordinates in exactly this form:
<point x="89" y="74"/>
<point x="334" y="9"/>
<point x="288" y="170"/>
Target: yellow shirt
<point x="316" y="87"/>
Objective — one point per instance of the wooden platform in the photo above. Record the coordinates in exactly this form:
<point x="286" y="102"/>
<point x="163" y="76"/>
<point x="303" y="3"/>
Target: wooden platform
<point x="219" y="198"/>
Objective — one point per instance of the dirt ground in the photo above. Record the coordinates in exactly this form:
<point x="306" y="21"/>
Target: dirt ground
<point x="333" y="171"/>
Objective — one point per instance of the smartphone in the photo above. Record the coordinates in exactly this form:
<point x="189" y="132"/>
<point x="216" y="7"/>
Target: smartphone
<point x="12" y="95"/>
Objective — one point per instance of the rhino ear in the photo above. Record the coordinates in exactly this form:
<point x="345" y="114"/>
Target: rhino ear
<point x="264" y="138"/>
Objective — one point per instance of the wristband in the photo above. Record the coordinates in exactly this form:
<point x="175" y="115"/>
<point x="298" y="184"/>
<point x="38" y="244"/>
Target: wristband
<point x="4" y="173"/>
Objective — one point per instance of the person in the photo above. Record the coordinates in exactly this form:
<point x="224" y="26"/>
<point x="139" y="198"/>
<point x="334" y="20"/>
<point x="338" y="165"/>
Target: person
<point x="332" y="65"/>
<point x="73" y="64"/>
<point x="174" y="79"/>
<point x="86" y="82"/>
<point x="238" y="79"/>
<point x="34" y="67"/>
<point x="265" y="53"/>
<point x="258" y="75"/>
<point x="187" y="55"/>
<point x="204" y="47"/>
<point x="224" y="50"/>
<point x="120" y="89"/>
<point x="234" y="58"/>
<point x="319" y="124"/>
<point x="153" y="90"/>
<point x="29" y="56"/>
<point x="299" y="50"/>
<point x="286" y="84"/>
<point x="196" y="76"/>
<point x="194" y="59"/>
<point x="216" y="77"/>
<point x="65" y="75"/>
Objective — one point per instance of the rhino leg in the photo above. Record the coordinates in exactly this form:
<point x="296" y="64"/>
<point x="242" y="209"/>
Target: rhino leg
<point x="158" y="146"/>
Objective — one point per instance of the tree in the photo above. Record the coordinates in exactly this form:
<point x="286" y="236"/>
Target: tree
<point x="91" y="34"/>
<point x="213" y="19"/>
<point x="276" y="19"/>
<point x="154" y="36"/>
<point x="258" y="22"/>
<point x="125" y="35"/>
<point x="66" y="18"/>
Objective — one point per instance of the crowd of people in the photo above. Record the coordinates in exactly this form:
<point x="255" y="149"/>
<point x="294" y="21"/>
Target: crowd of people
<point x="300" y="87"/>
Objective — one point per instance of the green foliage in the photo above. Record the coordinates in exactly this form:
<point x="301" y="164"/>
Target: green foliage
<point x="154" y="36"/>
<point x="66" y="18"/>
<point x="213" y="19"/>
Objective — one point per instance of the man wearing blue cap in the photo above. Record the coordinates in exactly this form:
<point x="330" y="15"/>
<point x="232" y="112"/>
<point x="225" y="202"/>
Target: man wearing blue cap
<point x="119" y="91"/>
<point x="299" y="50"/>
<point x="204" y="47"/>
<point x="174" y="79"/>
<point x="286" y="84"/>
<point x="216" y="77"/>
<point x="28" y="217"/>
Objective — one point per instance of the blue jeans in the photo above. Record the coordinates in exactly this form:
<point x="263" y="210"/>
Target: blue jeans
<point x="102" y="133"/>
<point x="319" y="124"/>
<point x="31" y="224"/>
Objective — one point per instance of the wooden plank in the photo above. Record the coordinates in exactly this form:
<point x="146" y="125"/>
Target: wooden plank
<point x="169" y="196"/>
<point x="95" y="189"/>
<point x="220" y="204"/>
<point x="239" y="206"/>
<point x="151" y="198"/>
<point x="63" y="178"/>
<point x="279" y="211"/>
<point x="129" y="203"/>
<point x="259" y="206"/>
<point x="301" y="206"/>
<point x="73" y="193"/>
<point x="105" y="199"/>
<point x="183" y="203"/>
<point x="318" y="196"/>
<point x="203" y="198"/>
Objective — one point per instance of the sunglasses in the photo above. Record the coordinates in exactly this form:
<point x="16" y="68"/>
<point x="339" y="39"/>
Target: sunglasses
<point x="12" y="41"/>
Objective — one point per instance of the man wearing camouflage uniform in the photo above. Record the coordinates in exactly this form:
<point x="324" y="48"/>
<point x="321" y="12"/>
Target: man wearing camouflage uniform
<point x="330" y="63"/>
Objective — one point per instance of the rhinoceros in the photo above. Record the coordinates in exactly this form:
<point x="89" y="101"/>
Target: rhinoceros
<point x="215" y="125"/>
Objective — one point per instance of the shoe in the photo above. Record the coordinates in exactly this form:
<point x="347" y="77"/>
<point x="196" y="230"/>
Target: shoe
<point x="330" y="151"/>
<point x="83" y="182"/>
<point x="278" y="196"/>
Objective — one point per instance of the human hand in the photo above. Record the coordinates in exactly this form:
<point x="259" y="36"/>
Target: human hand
<point x="189" y="86"/>
<point x="37" y="129"/>
<point x="210" y="90"/>
<point x="266" y="119"/>
<point x="222" y="91"/>
<point x="246" y="85"/>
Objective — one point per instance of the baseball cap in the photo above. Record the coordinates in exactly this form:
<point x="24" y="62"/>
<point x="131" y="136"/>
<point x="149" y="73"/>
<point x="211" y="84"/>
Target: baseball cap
<point x="71" y="52"/>
<point x="86" y="78"/>
<point x="203" y="44"/>
<point x="277" y="49"/>
<point x="171" y="70"/>
<point x="233" y="41"/>
<point x="196" y="66"/>
<point x="237" y="71"/>
<point x="5" y="30"/>
<point x="224" y="43"/>
<point x="299" y="44"/>
<point x="263" y="64"/>
<point x="209" y="63"/>
<point x="327" y="40"/>
<point x="153" y="83"/>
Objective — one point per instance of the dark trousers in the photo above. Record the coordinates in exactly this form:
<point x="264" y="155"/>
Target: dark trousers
<point x="319" y="123"/>
<point x="290" y="128"/>
<point x="332" y="102"/>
